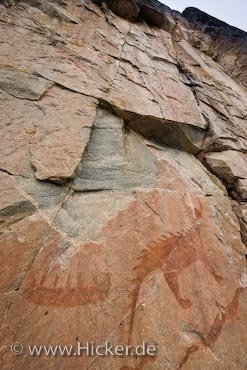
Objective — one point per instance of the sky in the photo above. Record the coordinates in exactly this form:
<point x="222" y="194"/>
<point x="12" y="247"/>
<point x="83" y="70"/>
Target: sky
<point x="233" y="12"/>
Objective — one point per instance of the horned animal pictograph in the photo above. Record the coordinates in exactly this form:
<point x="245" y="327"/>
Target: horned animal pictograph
<point x="171" y="254"/>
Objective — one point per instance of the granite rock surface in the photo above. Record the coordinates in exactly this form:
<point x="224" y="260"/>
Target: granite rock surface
<point x="123" y="185"/>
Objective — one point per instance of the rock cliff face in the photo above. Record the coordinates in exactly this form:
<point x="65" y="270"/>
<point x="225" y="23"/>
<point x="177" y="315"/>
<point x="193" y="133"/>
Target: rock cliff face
<point x="123" y="176"/>
<point x="227" y="45"/>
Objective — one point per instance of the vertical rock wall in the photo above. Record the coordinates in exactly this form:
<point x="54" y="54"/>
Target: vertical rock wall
<point x="123" y="188"/>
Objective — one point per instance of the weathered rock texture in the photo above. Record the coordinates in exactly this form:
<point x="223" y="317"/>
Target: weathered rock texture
<point x="227" y="45"/>
<point x="123" y="184"/>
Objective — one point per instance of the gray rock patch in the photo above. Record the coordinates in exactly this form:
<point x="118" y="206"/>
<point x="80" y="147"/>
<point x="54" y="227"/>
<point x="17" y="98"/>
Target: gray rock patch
<point x="115" y="158"/>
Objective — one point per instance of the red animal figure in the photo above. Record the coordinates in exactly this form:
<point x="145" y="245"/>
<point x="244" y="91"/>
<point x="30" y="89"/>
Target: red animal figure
<point x="171" y="255"/>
